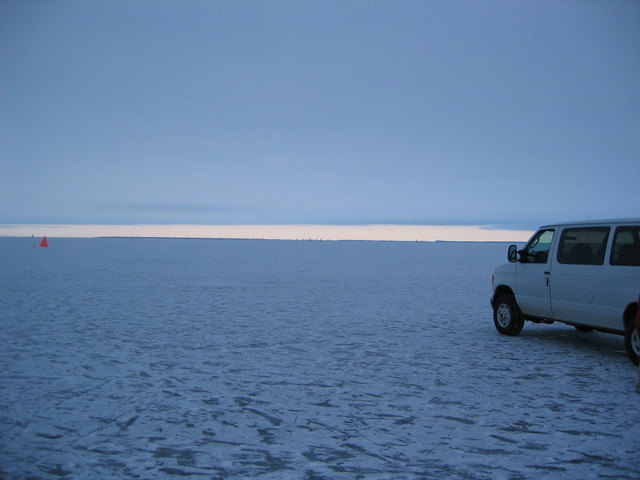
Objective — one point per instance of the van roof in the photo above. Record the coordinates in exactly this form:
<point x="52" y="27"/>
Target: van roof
<point x="611" y="221"/>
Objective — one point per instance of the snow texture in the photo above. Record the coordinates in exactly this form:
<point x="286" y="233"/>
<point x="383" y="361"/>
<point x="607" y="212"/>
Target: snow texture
<point x="227" y="359"/>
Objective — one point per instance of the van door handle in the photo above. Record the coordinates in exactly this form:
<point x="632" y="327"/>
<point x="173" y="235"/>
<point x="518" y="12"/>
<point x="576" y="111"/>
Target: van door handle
<point x="547" y="273"/>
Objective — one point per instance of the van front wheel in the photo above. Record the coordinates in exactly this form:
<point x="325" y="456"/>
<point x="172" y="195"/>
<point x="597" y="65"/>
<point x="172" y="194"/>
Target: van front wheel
<point x="507" y="316"/>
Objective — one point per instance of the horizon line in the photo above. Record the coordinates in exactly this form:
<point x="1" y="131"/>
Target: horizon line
<point x="370" y="232"/>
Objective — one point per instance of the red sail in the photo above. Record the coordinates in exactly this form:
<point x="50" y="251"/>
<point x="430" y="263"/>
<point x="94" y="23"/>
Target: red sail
<point x="44" y="242"/>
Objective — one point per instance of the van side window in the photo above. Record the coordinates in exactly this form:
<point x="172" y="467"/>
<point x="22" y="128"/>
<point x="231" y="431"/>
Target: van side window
<point x="583" y="246"/>
<point x="537" y="250"/>
<point x="626" y="247"/>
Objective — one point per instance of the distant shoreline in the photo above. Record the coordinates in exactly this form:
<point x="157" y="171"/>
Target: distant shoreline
<point x="124" y="237"/>
<point x="375" y="232"/>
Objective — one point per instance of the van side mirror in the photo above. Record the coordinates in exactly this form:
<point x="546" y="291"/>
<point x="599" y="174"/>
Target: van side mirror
<point x="512" y="253"/>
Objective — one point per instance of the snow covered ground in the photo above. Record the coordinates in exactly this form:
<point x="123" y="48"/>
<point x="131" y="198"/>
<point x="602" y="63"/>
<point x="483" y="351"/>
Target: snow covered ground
<point x="136" y="358"/>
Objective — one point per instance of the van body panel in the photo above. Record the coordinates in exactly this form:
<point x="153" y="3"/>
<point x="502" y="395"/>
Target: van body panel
<point x="532" y="289"/>
<point x="577" y="294"/>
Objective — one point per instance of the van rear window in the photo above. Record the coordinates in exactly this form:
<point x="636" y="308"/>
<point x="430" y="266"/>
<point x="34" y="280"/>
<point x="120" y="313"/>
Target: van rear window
<point x="626" y="247"/>
<point x="583" y="246"/>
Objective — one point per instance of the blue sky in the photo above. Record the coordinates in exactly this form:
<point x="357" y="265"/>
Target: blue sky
<point x="511" y="113"/>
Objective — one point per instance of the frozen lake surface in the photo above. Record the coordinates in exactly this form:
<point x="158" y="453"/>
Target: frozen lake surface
<point x="227" y="359"/>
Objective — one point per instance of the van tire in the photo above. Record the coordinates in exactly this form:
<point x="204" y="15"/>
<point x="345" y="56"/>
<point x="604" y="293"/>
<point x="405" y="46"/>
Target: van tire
<point x="632" y="342"/>
<point x="507" y="317"/>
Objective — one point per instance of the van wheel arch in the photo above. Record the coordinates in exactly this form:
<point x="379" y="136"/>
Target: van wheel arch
<point x="502" y="290"/>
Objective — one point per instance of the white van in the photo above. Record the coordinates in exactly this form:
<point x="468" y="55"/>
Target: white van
<point x="585" y="274"/>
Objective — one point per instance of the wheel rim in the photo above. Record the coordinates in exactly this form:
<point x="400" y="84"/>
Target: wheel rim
<point x="503" y="315"/>
<point x="635" y="342"/>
